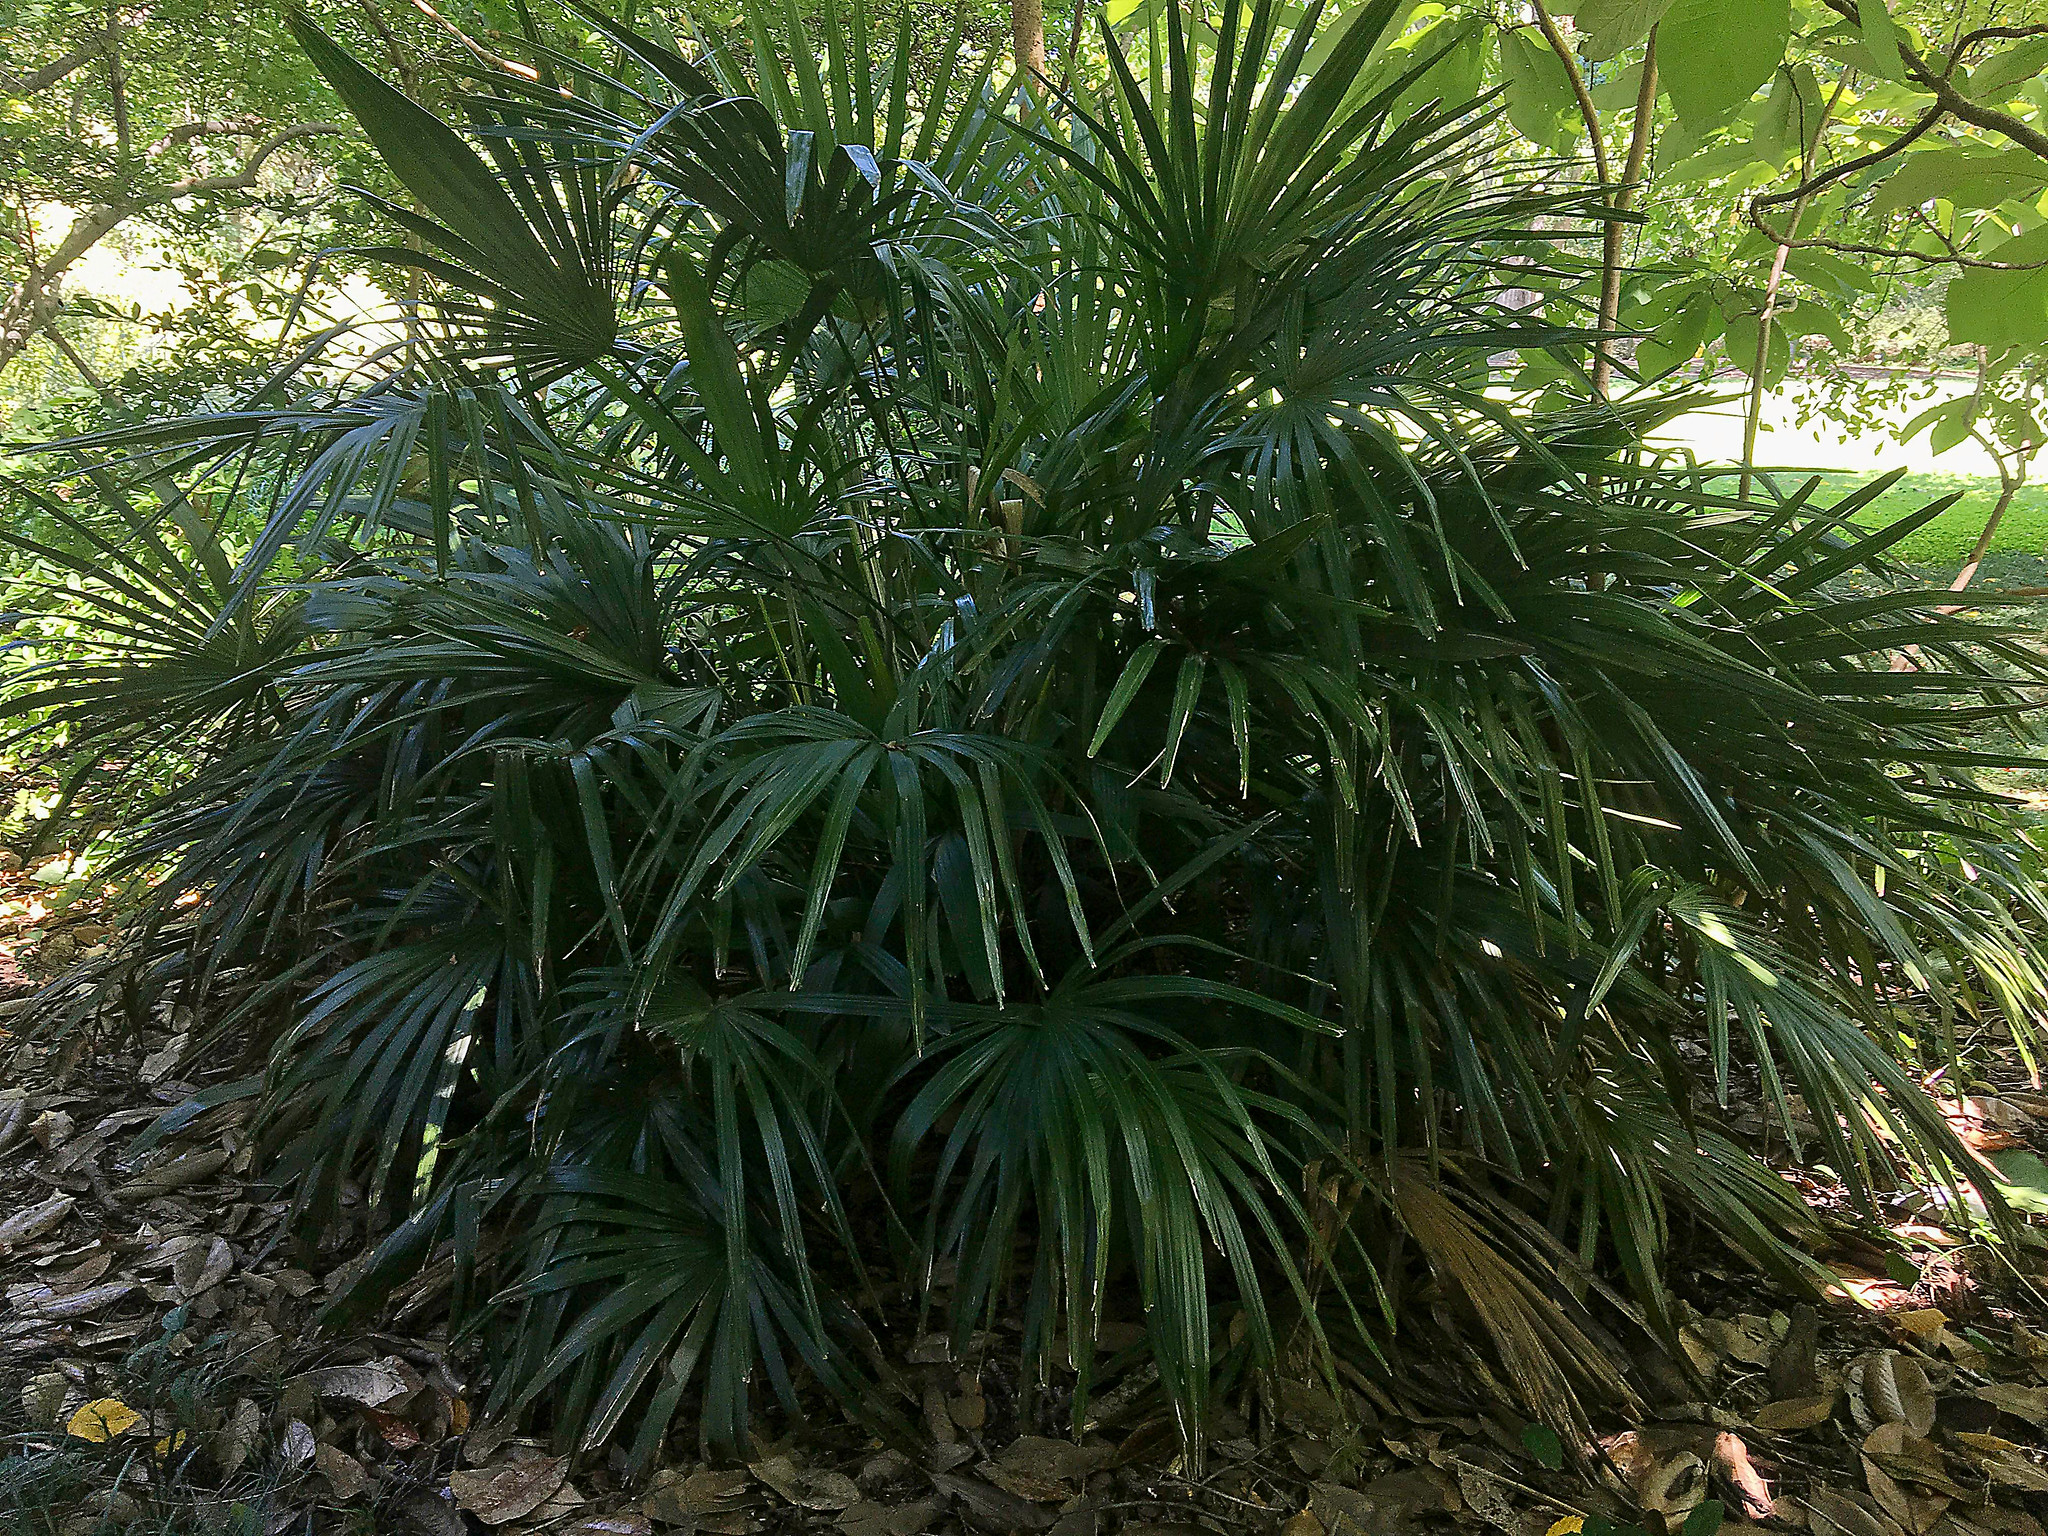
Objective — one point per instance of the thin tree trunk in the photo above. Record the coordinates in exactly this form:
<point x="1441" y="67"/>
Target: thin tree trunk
<point x="1624" y="198"/>
<point x="1752" y="419"/>
<point x="1588" y="115"/>
<point x="2008" y="487"/>
<point x="1027" y="40"/>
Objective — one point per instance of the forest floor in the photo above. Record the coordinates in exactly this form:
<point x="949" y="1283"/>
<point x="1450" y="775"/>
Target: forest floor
<point x="161" y="1374"/>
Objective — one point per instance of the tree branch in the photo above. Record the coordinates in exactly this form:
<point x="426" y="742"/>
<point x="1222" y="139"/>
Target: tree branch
<point x="33" y="303"/>
<point x="23" y="86"/>
<point x="1942" y="87"/>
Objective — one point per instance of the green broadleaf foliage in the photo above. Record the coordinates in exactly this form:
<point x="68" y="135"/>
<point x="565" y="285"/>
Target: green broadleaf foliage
<point x="2003" y="308"/>
<point x="1613" y="25"/>
<point x="1881" y="42"/>
<point x="1716" y="54"/>
<point x="1964" y="178"/>
<point x="2010" y="67"/>
<point x="1539" y="93"/>
<point x="1740" y="340"/>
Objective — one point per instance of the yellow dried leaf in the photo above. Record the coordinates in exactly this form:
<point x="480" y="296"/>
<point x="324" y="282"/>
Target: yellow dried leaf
<point x="1570" y="1525"/>
<point x="1795" y="1413"/>
<point x="1991" y="1445"/>
<point x="102" y="1419"/>
<point x="168" y="1443"/>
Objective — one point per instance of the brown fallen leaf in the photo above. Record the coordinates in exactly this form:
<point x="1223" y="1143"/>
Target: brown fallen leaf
<point x="26" y="1226"/>
<point x="508" y="1490"/>
<point x="202" y="1267"/>
<point x="1794" y="1413"/>
<point x="1887" y="1387"/>
<point x="344" y="1474"/>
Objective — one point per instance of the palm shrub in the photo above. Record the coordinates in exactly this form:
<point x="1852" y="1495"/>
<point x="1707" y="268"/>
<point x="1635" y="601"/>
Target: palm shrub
<point x="896" y="683"/>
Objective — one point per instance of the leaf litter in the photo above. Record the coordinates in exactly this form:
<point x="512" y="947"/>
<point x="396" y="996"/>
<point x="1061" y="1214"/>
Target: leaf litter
<point x="1912" y="1400"/>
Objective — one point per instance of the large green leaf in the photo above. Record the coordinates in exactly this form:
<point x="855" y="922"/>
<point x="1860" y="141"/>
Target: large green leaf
<point x="1965" y="178"/>
<point x="1613" y="25"/>
<point x="1540" y="100"/>
<point x="1998" y="308"/>
<point x="1715" y="54"/>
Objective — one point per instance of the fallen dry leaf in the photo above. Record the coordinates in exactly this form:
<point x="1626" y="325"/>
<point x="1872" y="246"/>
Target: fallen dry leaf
<point x="367" y="1386"/>
<point x="102" y="1419"/>
<point x="1795" y="1413"/>
<point x="510" y="1489"/>
<point x="201" y="1267"/>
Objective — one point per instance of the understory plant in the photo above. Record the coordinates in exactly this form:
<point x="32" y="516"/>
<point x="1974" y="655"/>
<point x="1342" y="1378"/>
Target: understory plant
<point x="898" y="687"/>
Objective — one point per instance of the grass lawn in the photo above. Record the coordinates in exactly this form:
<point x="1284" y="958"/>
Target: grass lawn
<point x="1946" y="542"/>
<point x="1934" y="555"/>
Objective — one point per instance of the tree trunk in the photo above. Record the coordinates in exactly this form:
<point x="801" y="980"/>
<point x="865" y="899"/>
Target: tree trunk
<point x="2006" y="492"/>
<point x="1027" y="39"/>
<point x="34" y="301"/>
